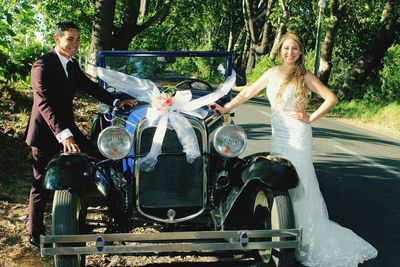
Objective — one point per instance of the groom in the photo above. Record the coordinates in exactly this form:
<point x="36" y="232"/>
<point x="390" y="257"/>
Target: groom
<point x="55" y="77"/>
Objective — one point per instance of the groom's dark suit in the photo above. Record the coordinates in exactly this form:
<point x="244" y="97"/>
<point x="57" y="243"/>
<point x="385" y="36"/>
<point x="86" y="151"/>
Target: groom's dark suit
<point x="52" y="112"/>
<point x="53" y="94"/>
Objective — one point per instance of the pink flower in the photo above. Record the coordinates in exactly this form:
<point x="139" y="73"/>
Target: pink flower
<point x="163" y="101"/>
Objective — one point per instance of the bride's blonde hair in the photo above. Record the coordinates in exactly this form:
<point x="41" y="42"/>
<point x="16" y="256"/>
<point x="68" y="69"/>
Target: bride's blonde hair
<point x="296" y="74"/>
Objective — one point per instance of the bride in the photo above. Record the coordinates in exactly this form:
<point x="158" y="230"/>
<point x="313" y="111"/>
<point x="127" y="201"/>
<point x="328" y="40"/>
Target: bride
<point x="325" y="243"/>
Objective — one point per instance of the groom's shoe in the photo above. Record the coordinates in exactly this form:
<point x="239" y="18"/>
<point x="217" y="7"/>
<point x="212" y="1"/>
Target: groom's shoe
<point x="34" y="240"/>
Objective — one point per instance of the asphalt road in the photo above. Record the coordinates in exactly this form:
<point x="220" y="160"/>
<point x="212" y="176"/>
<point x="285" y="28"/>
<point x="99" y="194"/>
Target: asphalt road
<point x="358" y="172"/>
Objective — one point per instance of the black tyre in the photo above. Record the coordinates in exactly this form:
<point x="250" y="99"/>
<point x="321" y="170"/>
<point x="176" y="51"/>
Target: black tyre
<point x="65" y="221"/>
<point x="272" y="209"/>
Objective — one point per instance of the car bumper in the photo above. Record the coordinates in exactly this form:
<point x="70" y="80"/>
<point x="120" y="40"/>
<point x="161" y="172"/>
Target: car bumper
<point x="154" y="243"/>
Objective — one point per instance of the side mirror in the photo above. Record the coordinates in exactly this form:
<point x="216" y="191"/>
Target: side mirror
<point x="241" y="77"/>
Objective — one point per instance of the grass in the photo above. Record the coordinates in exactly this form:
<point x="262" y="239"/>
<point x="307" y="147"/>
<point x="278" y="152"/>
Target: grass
<point x="15" y="155"/>
<point x="15" y="161"/>
<point x="369" y="112"/>
<point x="383" y="116"/>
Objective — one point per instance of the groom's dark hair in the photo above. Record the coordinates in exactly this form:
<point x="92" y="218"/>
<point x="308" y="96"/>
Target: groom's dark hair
<point x="64" y="26"/>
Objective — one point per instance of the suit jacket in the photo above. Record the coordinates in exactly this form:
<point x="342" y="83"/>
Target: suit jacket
<point x="53" y="94"/>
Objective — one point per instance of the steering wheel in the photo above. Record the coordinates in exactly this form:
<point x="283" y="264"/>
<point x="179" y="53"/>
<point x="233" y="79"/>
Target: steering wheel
<point x="188" y="84"/>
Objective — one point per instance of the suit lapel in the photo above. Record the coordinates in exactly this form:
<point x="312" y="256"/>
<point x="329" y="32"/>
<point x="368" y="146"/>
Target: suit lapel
<point x="59" y="65"/>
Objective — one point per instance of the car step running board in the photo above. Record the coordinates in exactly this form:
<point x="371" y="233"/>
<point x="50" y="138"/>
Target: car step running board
<point x="141" y="243"/>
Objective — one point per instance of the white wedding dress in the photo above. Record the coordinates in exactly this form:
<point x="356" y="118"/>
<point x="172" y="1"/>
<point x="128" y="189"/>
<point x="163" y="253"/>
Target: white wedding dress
<point x="324" y="242"/>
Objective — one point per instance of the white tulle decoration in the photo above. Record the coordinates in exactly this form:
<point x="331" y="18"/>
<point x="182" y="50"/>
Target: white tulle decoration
<point x="165" y="108"/>
<point x="141" y="89"/>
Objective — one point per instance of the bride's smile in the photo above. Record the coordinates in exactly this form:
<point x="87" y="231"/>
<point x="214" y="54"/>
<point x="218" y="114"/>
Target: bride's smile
<point x="290" y="52"/>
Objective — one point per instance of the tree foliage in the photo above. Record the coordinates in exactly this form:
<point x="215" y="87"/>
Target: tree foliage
<point x="18" y="47"/>
<point x="352" y="33"/>
<point x="369" y="60"/>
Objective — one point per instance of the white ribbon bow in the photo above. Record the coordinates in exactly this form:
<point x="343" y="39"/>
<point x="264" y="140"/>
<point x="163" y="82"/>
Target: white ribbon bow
<point x="146" y="91"/>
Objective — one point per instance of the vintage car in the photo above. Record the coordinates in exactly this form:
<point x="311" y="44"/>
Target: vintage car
<point x="172" y="164"/>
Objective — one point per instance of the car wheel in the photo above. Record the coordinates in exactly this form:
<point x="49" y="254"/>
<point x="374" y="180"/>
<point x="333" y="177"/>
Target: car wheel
<point x="272" y="209"/>
<point x="65" y="221"/>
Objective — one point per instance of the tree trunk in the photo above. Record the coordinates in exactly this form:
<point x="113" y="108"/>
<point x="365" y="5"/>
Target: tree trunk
<point x="258" y="30"/>
<point x="337" y="12"/>
<point x="245" y="52"/>
<point x="251" y="35"/>
<point x="281" y="29"/>
<point x="238" y="49"/>
<point x="385" y="37"/>
<point x="143" y="5"/>
<point x="130" y="28"/>
<point x="101" y="32"/>
<point x="262" y="48"/>
<point x="106" y="36"/>
<point x="236" y="27"/>
<point x="251" y="57"/>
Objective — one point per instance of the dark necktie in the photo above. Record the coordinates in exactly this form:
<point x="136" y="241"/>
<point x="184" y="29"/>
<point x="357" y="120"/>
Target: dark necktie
<point x="69" y="69"/>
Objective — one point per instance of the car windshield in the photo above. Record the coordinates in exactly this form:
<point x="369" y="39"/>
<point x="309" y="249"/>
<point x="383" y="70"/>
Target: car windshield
<point x="195" y="70"/>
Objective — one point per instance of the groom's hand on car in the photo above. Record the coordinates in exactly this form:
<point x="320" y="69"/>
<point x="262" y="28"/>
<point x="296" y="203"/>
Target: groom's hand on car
<point x="70" y="146"/>
<point x="123" y="103"/>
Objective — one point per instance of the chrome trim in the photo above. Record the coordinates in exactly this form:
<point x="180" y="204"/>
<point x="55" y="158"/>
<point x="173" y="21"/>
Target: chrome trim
<point x="216" y="120"/>
<point x="196" y="123"/>
<point x="199" y="241"/>
<point x="217" y="132"/>
<point x="123" y="130"/>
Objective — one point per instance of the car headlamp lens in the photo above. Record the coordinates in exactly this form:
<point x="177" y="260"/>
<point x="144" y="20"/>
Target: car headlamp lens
<point x="103" y="108"/>
<point x="230" y="140"/>
<point x="114" y="142"/>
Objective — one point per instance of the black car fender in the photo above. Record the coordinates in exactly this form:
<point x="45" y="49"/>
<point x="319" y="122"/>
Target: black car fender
<point x="257" y="170"/>
<point x="68" y="171"/>
<point x="274" y="171"/>
<point x="236" y="196"/>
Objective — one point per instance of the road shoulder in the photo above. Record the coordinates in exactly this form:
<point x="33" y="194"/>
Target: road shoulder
<point x="375" y="128"/>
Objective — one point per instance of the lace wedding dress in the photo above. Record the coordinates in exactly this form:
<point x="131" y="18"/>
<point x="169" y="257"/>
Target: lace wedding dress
<point x="324" y="242"/>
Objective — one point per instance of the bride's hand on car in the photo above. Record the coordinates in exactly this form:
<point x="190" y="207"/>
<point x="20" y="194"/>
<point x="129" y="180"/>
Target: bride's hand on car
<point x="217" y="109"/>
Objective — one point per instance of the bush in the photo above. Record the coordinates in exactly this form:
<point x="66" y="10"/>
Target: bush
<point x="339" y="72"/>
<point x="264" y="64"/>
<point x="390" y="75"/>
<point x="18" y="63"/>
<point x="383" y="87"/>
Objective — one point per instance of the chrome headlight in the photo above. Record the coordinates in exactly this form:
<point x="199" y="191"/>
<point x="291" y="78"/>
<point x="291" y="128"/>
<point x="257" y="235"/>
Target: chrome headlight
<point x="103" y="108"/>
<point x="230" y="140"/>
<point x="114" y="142"/>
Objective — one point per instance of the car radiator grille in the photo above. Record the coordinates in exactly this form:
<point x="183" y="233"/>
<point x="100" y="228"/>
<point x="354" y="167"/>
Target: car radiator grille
<point x="174" y="183"/>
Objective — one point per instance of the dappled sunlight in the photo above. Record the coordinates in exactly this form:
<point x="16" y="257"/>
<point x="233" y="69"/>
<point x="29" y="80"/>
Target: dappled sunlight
<point x="358" y="169"/>
<point x="257" y="131"/>
<point x="345" y="135"/>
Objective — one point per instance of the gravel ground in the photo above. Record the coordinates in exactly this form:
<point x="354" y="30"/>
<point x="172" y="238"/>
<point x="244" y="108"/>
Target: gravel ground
<point x="16" y="251"/>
